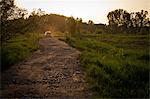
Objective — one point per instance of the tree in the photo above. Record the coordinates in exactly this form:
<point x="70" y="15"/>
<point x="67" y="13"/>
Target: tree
<point x="140" y="18"/>
<point x="9" y="12"/>
<point x="18" y="13"/>
<point x="37" y="12"/>
<point x="119" y="17"/>
<point x="78" y="24"/>
<point x="71" y="25"/>
<point x="90" y="26"/>
<point x="124" y="21"/>
<point x="40" y="12"/>
<point x="6" y="10"/>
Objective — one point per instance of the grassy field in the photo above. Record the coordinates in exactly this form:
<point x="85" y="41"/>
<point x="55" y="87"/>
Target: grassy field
<point x="116" y="65"/>
<point x="18" y="48"/>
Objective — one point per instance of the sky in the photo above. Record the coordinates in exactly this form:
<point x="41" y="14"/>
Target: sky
<point x="95" y="10"/>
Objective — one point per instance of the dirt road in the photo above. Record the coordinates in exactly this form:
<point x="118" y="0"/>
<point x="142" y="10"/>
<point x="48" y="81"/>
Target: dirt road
<point x="52" y="71"/>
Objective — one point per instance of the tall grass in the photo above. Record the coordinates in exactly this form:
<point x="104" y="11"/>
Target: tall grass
<point x="18" y="48"/>
<point x="114" y="69"/>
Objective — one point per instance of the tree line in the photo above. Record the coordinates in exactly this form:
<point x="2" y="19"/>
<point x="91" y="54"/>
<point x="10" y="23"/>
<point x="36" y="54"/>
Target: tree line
<point x="16" y="21"/>
<point x="129" y="22"/>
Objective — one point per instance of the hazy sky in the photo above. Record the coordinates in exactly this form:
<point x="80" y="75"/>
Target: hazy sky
<point x="95" y="10"/>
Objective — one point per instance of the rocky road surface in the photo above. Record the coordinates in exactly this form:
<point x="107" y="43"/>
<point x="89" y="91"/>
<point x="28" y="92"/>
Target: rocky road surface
<point x="51" y="72"/>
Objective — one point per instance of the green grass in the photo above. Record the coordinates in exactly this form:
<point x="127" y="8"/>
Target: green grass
<point x="117" y="65"/>
<point x="18" y="48"/>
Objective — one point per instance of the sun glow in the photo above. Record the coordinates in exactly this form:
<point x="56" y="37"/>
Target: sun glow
<point x="95" y="10"/>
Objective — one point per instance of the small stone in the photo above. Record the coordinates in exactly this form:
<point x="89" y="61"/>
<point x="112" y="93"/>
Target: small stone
<point x="77" y="72"/>
<point x="44" y="78"/>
